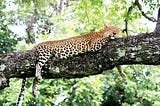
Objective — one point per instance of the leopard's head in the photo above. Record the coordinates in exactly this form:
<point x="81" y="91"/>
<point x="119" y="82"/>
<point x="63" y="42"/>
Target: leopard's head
<point x="110" y="31"/>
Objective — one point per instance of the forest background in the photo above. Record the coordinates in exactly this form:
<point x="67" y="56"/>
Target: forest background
<point x="24" y="23"/>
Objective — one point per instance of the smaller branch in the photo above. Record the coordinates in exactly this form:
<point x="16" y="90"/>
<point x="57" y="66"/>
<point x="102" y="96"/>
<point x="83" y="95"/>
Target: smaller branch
<point x="30" y="27"/>
<point x="149" y="18"/>
<point x="126" y="27"/>
<point x="145" y="15"/>
<point x="136" y="3"/>
<point x="126" y="20"/>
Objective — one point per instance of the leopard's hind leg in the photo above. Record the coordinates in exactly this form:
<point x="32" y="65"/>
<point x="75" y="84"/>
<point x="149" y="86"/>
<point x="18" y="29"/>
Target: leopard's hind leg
<point x="122" y="74"/>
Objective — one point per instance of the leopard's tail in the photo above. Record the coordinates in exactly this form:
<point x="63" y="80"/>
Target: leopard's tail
<point x="21" y="94"/>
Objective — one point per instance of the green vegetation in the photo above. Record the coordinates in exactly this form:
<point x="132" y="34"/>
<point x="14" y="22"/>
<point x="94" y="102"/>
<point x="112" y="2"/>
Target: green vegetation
<point x="8" y="39"/>
<point x="46" y="19"/>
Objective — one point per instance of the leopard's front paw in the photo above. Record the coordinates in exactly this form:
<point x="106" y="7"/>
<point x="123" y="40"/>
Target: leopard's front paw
<point x="39" y="78"/>
<point x="123" y="75"/>
<point x="34" y="88"/>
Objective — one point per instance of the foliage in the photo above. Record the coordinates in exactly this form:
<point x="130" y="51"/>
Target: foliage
<point x="7" y="38"/>
<point x="45" y="21"/>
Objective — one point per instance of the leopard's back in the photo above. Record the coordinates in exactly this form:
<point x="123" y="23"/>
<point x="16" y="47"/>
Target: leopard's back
<point x="75" y="45"/>
<point x="63" y="48"/>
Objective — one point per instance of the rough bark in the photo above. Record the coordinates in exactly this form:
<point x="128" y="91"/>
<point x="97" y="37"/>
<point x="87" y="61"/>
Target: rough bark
<point x="140" y="49"/>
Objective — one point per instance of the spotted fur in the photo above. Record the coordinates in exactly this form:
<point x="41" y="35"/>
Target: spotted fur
<point x="69" y="47"/>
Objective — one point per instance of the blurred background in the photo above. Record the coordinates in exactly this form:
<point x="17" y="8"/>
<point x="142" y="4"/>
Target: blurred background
<point x="24" y="23"/>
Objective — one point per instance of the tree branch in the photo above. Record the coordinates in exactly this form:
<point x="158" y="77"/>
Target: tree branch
<point x="145" y="15"/>
<point x="157" y="29"/>
<point x="140" y="49"/>
<point x="126" y="19"/>
<point x="136" y="3"/>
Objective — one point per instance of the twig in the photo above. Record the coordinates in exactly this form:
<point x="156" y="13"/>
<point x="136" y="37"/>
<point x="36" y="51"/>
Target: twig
<point x="145" y="15"/>
<point x="126" y="27"/>
<point x="126" y="20"/>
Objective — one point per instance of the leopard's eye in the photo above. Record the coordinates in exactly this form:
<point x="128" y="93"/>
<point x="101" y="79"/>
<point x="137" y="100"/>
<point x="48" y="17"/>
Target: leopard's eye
<point x="114" y="33"/>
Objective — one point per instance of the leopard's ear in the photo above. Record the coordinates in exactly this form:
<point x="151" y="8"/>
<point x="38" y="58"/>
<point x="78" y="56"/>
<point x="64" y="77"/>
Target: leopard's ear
<point x="105" y="26"/>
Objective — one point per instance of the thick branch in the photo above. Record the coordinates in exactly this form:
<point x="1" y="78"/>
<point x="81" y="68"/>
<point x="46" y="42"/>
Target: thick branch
<point x="140" y="49"/>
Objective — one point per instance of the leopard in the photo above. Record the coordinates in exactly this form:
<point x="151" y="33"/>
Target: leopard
<point x="69" y="47"/>
<point x="72" y="46"/>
